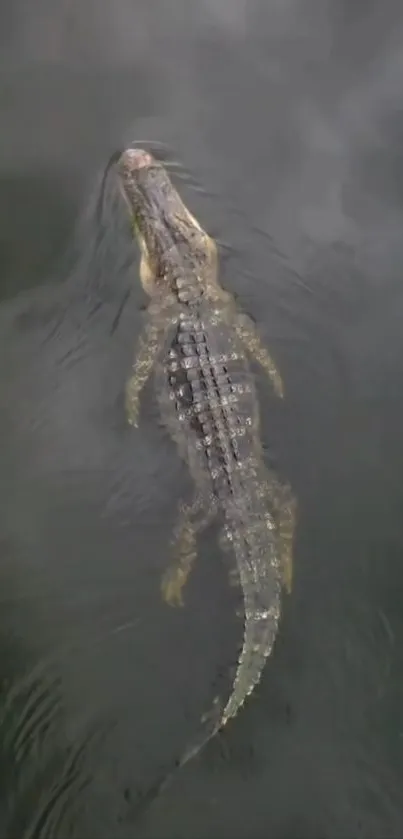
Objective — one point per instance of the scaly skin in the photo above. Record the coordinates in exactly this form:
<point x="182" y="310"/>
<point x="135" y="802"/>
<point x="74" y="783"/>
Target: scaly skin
<point x="198" y="344"/>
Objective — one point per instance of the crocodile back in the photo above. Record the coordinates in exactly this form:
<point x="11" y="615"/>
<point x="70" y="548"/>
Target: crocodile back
<point x="208" y="400"/>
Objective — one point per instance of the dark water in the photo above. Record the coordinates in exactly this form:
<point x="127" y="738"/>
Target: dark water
<point x="282" y="121"/>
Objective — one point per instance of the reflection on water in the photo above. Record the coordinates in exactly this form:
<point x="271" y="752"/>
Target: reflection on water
<point x="282" y="125"/>
<point x="42" y="778"/>
<point x="44" y="762"/>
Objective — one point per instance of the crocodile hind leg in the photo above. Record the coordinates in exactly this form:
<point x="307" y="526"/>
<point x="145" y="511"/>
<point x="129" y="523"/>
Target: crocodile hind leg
<point x="193" y="518"/>
<point x="284" y="506"/>
<point x="248" y="334"/>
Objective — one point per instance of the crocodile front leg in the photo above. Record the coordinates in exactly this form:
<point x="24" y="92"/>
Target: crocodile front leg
<point x="149" y="347"/>
<point x="193" y="518"/>
<point x="249" y="336"/>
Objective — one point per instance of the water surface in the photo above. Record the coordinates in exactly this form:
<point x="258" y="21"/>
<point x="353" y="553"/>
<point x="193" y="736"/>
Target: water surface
<point x="282" y="125"/>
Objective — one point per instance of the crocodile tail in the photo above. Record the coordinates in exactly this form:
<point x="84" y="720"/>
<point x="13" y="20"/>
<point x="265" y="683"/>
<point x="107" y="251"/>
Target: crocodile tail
<point x="165" y="780"/>
<point x="259" y="572"/>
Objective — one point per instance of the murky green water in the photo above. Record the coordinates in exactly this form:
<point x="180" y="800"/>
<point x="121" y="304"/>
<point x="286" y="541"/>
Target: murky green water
<point x="282" y="125"/>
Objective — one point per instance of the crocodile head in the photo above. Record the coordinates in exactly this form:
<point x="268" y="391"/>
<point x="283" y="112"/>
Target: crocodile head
<point x="172" y="243"/>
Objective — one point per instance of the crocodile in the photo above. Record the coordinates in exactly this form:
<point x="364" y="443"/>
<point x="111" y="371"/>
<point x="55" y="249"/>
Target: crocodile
<point x="199" y="346"/>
